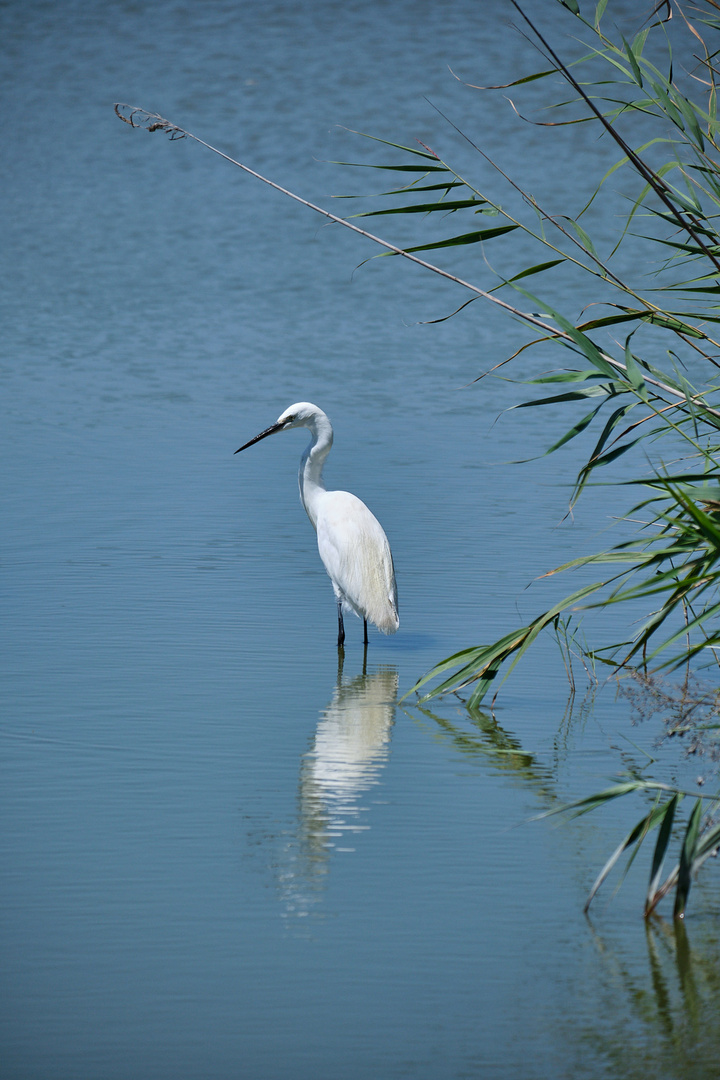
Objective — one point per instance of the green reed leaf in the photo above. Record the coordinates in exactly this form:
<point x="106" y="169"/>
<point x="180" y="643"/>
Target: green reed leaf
<point x="444" y="206"/>
<point x="664" y="834"/>
<point x="687" y="856"/>
<point x="479" y="237"/>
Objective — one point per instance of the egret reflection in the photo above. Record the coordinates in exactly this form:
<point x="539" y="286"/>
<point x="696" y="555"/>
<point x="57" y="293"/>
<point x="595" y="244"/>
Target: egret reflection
<point x="349" y="750"/>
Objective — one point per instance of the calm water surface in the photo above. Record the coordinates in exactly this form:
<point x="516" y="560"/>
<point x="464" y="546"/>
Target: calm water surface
<point x="224" y="856"/>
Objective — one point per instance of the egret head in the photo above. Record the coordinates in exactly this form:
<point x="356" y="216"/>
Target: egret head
<point x="301" y="414"/>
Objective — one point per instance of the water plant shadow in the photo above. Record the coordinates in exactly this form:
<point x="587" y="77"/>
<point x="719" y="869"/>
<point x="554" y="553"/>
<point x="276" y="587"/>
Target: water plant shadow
<point x="661" y="1020"/>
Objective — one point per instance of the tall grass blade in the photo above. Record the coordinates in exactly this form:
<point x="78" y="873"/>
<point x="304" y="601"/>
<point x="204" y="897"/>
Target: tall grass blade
<point x="687" y="857"/>
<point x="661" y="845"/>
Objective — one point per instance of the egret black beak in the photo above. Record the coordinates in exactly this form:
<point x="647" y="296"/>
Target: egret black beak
<point x="263" y="435"/>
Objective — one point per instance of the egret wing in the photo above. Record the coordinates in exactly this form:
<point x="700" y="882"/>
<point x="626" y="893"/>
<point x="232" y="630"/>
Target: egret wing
<point x="356" y="553"/>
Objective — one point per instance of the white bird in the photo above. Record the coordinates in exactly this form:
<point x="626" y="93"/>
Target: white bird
<point x="351" y="541"/>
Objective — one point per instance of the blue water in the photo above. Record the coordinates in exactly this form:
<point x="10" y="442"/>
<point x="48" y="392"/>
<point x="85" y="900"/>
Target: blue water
<point x="223" y="856"/>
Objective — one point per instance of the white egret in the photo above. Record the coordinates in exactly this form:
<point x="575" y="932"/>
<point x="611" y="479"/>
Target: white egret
<point x="352" y="543"/>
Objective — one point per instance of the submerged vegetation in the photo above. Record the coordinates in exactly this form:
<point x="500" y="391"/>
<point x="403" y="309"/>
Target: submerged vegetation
<point x="641" y="363"/>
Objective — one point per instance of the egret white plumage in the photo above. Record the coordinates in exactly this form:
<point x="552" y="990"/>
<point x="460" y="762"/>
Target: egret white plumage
<point x="351" y="541"/>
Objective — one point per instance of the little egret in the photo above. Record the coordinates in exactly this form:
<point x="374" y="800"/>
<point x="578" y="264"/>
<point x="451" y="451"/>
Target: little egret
<point x="352" y="543"/>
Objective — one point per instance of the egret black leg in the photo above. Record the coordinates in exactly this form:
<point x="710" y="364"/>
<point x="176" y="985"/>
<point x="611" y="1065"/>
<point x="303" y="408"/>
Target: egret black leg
<point x="341" y="627"/>
<point x="365" y="639"/>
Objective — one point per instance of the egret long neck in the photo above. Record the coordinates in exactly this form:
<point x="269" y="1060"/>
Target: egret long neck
<point x="311" y="466"/>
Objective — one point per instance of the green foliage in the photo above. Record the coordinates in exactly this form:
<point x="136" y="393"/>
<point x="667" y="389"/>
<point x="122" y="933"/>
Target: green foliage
<point x="637" y="400"/>
<point x="637" y="393"/>
<point x="700" y="839"/>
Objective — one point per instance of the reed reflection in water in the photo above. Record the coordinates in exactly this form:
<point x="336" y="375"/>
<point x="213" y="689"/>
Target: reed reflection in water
<point x="349" y="750"/>
<point x="658" y="1020"/>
